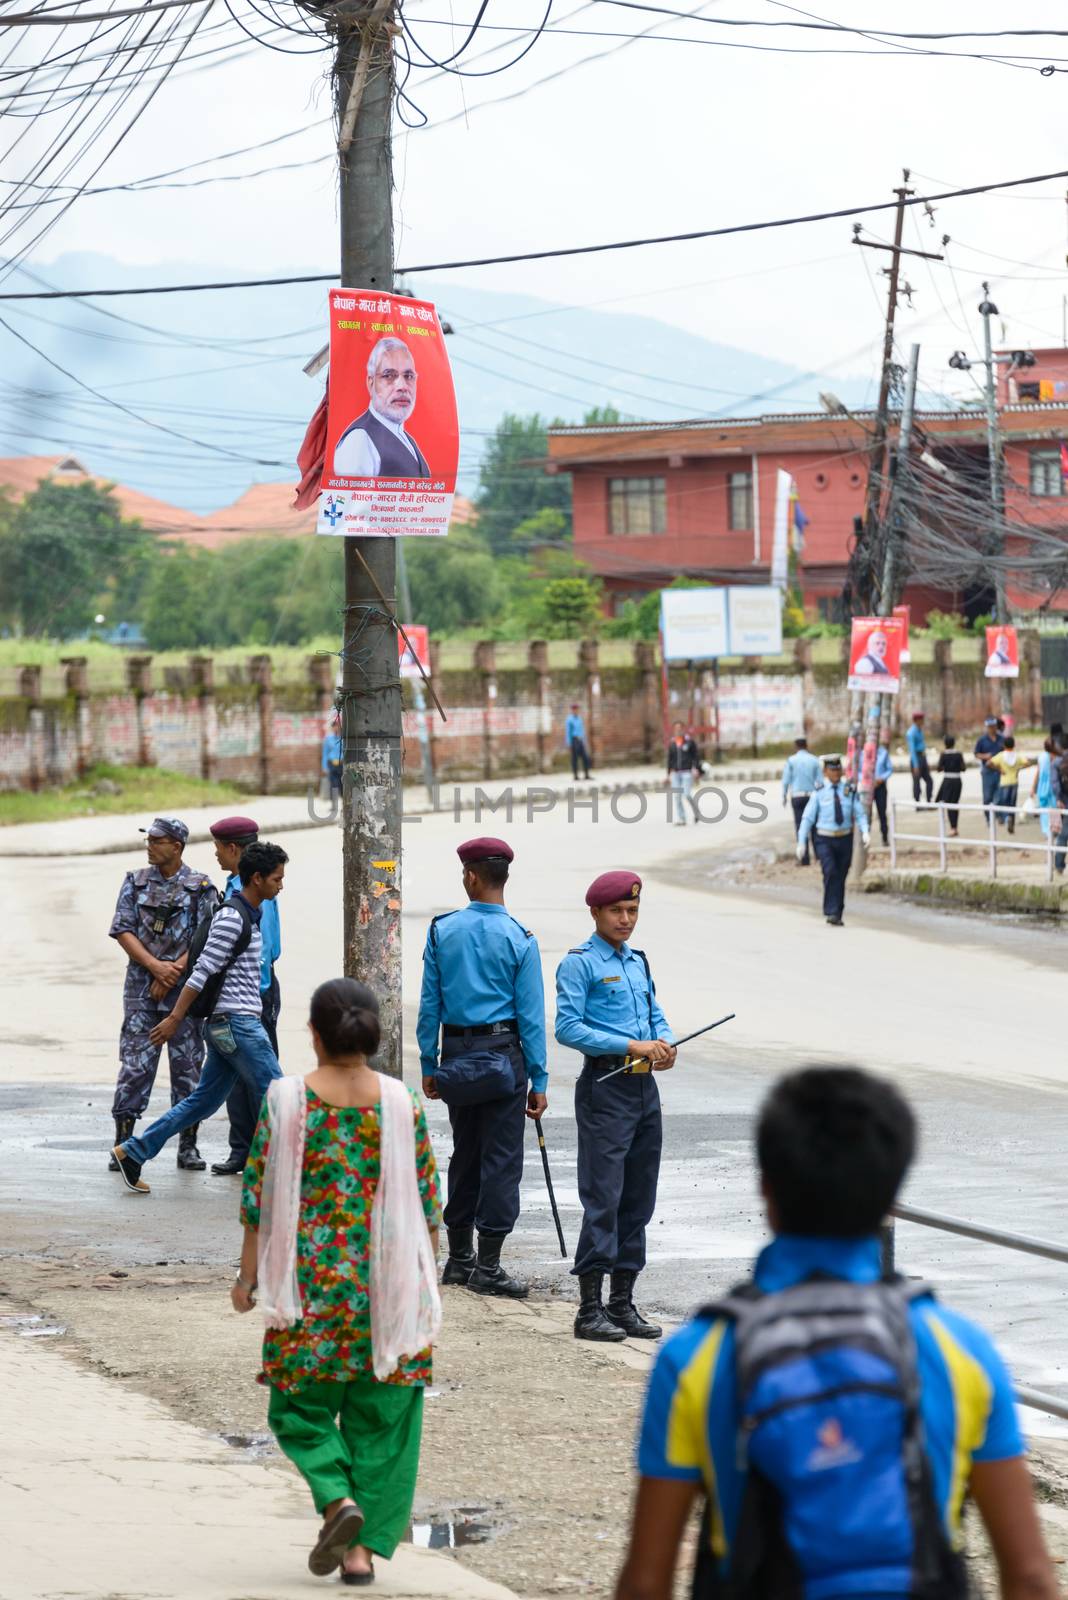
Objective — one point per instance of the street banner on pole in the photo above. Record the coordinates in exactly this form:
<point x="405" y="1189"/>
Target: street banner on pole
<point x="693" y="624"/>
<point x="392" y="438"/>
<point x="905" y="613"/>
<point x="875" y="654"/>
<point x="1002" y="651"/>
<point x="780" y="548"/>
<point x="755" y="620"/>
<point x="419" y="655"/>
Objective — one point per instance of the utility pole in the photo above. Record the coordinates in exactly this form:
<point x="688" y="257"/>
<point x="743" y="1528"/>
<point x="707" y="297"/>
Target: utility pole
<point x="405" y="596"/>
<point x="370" y="682"/>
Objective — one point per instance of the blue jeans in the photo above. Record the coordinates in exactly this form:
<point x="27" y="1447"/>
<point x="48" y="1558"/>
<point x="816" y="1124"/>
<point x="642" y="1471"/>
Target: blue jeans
<point x="252" y="1061"/>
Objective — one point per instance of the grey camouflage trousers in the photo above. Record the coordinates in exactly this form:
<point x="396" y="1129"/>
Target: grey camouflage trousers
<point x="139" y="1059"/>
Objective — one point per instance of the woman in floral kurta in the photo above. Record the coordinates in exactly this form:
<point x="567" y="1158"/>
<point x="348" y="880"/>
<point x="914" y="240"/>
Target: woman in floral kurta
<point x="353" y="1438"/>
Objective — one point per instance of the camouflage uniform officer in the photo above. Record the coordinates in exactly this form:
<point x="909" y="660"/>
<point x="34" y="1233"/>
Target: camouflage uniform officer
<point x="158" y="908"/>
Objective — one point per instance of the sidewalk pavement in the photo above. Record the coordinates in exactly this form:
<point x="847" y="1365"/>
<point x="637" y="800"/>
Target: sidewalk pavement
<point x="104" y="1496"/>
<point x="278" y="814"/>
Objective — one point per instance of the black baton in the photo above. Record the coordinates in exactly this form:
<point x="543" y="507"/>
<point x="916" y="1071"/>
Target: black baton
<point x="549" y="1184"/>
<point x="696" y="1034"/>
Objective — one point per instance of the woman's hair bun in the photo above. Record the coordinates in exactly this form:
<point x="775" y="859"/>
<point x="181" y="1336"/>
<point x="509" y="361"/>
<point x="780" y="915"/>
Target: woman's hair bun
<point x="344" y="1014"/>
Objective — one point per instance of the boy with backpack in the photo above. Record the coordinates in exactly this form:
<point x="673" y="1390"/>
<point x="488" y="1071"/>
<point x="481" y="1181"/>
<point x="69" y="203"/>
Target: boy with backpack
<point x="222" y="986"/>
<point x="834" y="1419"/>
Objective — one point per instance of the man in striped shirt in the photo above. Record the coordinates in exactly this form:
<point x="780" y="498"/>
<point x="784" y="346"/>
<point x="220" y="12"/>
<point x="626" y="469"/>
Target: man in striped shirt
<point x="238" y="1046"/>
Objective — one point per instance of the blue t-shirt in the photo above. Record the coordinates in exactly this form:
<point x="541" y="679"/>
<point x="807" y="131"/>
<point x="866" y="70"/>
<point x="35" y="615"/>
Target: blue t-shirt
<point x="690" y="1425"/>
<point x="916" y="742"/>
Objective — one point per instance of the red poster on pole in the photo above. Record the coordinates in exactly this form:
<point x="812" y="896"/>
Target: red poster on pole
<point x="1002" y="651"/>
<point x="392" y="437"/>
<point x="419" y="655"/>
<point x="875" y="654"/>
<point x="905" y="613"/>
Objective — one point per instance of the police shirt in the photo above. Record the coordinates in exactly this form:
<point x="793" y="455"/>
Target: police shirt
<point x="162" y="913"/>
<point x="480" y="966"/>
<point x="604" y="998"/>
<point x="801" y="773"/>
<point x="819" y="813"/>
<point x="689" y="1428"/>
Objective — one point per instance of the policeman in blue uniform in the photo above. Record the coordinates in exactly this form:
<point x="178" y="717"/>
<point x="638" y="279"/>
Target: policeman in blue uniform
<point x="158" y="909"/>
<point x="482" y="990"/>
<point x="800" y="780"/>
<point x="606" y="1006"/>
<point x="833" y="812"/>
<point x="231" y="835"/>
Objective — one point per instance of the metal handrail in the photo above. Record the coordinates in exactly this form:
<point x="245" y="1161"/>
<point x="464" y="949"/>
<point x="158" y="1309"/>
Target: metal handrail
<point x="1035" y="1399"/>
<point x="993" y="843"/>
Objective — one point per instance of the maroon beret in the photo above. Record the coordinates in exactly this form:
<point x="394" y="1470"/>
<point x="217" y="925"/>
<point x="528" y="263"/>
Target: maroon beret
<point x="231" y="830"/>
<point x="484" y="849"/>
<point x="613" y="886"/>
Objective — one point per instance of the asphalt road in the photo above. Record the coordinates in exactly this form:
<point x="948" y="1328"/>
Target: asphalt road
<point x="962" y="1012"/>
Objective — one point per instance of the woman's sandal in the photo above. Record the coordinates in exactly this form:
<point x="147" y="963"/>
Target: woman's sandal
<point x="358" y="1579"/>
<point x="342" y="1530"/>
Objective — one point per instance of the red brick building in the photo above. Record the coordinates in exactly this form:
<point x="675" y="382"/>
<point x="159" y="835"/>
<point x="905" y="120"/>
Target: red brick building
<point x="655" y="500"/>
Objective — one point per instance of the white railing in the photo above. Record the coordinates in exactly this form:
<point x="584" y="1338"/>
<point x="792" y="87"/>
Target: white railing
<point x="1046" y="846"/>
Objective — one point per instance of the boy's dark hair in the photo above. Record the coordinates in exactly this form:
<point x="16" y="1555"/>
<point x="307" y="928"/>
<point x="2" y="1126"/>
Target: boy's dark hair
<point x="1010" y="742"/>
<point x="833" y="1146"/>
<point x="259" y="856"/>
<point x="344" y="1014"/>
<point x="950" y="741"/>
<point x="494" y="873"/>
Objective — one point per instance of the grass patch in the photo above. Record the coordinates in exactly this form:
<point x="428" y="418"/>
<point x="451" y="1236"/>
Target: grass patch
<point x="107" y="790"/>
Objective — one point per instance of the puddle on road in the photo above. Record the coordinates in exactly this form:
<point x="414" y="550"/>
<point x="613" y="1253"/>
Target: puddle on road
<point x="255" y="1445"/>
<point x="467" y="1526"/>
<point x="32" y="1327"/>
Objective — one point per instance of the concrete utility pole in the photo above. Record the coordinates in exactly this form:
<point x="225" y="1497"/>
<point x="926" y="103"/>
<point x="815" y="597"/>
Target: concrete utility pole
<point x="370" y="683"/>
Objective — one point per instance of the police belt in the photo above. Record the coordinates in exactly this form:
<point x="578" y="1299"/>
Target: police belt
<point x="606" y="1064"/>
<point x="834" y="833"/>
<point x="454" y="1030"/>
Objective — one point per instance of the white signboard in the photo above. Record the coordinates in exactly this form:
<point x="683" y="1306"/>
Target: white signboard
<point x="754" y="709"/>
<point x="755" y="621"/>
<point x="693" y="624"/>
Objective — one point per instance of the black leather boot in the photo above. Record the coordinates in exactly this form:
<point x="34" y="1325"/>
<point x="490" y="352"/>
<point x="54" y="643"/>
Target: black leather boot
<point x="124" y="1127"/>
<point x="461" y="1259"/>
<point x="189" y="1157"/>
<point x="489" y="1277"/>
<point x="624" y="1313"/>
<point x="591" y="1321"/>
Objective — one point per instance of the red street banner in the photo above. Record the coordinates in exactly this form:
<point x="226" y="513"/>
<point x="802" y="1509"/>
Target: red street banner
<point x="905" y="613"/>
<point x="392" y="438"/>
<point x="419" y="655"/>
<point x="1002" y="652"/>
<point x="875" y="654"/>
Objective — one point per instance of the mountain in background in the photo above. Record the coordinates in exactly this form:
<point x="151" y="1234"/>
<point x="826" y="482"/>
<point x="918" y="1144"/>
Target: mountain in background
<point x="217" y="375"/>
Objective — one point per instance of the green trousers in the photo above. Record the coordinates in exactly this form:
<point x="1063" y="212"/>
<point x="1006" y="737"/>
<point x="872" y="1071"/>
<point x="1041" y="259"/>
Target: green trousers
<point x="358" y="1440"/>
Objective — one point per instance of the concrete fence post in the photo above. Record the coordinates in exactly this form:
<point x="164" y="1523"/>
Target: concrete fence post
<point x="76" y="671"/>
<point x="803" y="660"/>
<point x="30" y="690"/>
<point x="646" y="663"/>
<point x="1031" y="653"/>
<point x="589" y="661"/>
<point x="261" y="674"/>
<point x="538" y="662"/>
<point x="947" y="699"/>
<point x="202" y="676"/>
<point x="139" y="680"/>
<point x="485" y="663"/>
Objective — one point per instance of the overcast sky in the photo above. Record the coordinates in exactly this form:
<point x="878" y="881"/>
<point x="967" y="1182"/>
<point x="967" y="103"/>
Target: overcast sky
<point x="652" y="136"/>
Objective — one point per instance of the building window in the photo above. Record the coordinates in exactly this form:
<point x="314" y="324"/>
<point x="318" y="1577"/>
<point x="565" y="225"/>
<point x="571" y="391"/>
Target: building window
<point x="636" y="505"/>
<point x="1046" y="476"/>
<point x="1028" y="392"/>
<point x="831" y="608"/>
<point x="740" y="502"/>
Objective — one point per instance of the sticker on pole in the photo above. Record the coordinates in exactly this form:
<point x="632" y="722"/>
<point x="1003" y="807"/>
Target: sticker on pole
<point x="411" y="660"/>
<point x="392" y="438"/>
<point x="875" y="654"/>
<point x="1002" y="651"/>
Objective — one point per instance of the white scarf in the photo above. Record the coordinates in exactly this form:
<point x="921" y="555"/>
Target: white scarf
<point x="405" y="1303"/>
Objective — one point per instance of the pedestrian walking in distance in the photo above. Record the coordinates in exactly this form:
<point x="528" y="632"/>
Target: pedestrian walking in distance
<point x="800" y="779"/>
<point x="575" y="739"/>
<point x="606" y="1007"/>
<point x="831" y="815"/>
<point x="481" y="1034"/>
<point x="921" y="772"/>
<point x="231" y="835"/>
<point x="160" y="907"/>
<point x="683" y="767"/>
<point x="224" y="987"/>
<point x="341" y="1212"/>
<point x="332" y="763"/>
<point x="837" y="1421"/>
<point x="951" y="765"/>
<point x="884" y="771"/>
<point x="990" y="743"/>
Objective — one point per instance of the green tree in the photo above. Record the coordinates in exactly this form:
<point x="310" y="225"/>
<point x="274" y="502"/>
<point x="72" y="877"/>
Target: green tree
<point x="455" y="584"/>
<point x="65" y="550"/>
<point x="176" y="613"/>
<point x="513" y="484"/>
<point x="640" y="619"/>
<point x="547" y="526"/>
<point x="570" y="608"/>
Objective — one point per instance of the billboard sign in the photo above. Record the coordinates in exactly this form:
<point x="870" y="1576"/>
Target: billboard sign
<point x="693" y="624"/>
<point x="754" y="621"/>
<point x="1002" y="651"/>
<point x="875" y="654"/>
